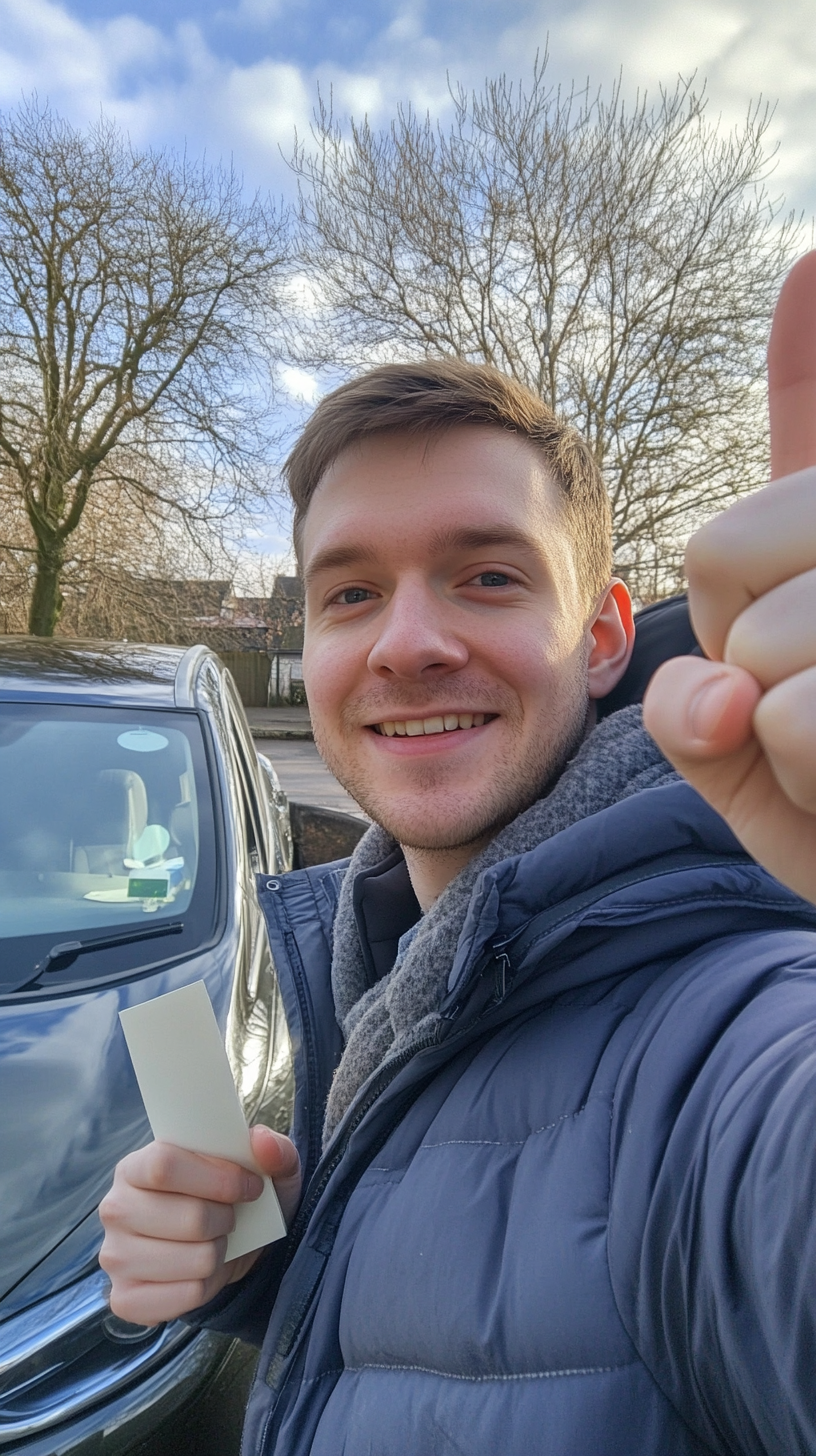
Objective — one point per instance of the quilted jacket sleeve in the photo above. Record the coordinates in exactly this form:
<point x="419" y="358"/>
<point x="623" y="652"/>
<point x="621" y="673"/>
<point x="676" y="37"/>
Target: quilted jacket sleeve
<point x="712" y="1241"/>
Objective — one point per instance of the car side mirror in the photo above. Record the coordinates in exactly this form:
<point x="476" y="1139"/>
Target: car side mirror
<point x="320" y="835"/>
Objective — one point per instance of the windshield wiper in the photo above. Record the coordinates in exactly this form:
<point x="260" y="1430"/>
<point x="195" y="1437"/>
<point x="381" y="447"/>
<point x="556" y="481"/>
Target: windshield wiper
<point x="68" y="950"/>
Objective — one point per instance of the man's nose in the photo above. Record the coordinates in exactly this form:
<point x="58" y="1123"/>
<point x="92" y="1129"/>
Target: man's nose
<point x="415" y="639"/>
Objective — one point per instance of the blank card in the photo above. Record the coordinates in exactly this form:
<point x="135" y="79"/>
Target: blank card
<point x="186" y="1083"/>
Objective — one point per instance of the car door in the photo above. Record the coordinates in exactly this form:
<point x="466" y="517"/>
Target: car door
<point x="257" y="1034"/>
<point x="255" y="810"/>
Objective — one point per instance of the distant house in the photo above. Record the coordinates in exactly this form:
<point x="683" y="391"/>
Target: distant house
<point x="271" y="626"/>
<point x="194" y="598"/>
<point x="286" y="654"/>
<point x="259" y="638"/>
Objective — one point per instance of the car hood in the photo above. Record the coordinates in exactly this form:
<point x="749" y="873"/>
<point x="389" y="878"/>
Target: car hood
<point x="71" y="1109"/>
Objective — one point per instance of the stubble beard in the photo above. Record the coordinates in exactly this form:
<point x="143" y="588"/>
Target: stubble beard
<point x="513" y="786"/>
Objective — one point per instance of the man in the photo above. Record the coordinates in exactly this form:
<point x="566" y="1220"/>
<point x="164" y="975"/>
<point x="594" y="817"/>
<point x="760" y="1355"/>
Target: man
<point x="562" y="1062"/>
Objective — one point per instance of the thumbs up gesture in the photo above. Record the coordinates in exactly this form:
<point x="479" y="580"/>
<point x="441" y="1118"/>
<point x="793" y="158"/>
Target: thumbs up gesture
<point x="741" y="727"/>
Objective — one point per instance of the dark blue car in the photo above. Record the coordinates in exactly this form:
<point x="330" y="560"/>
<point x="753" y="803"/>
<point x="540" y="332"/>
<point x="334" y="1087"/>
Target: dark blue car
<point x="135" y="814"/>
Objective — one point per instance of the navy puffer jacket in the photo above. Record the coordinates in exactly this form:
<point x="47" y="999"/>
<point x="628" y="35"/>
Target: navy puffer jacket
<point x="582" y="1221"/>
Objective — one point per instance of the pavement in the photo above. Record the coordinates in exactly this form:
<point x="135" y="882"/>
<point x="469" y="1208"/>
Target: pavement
<point x="284" y="736"/>
<point x="280" y="723"/>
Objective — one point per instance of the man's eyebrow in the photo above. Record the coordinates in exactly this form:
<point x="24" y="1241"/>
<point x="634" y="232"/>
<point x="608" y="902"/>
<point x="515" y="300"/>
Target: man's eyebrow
<point x="334" y="557"/>
<point x="442" y="543"/>
<point x="475" y="538"/>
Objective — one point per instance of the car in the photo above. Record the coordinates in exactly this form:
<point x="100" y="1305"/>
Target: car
<point x="135" y="815"/>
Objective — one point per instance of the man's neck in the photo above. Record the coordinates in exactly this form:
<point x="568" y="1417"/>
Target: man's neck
<point x="431" y="870"/>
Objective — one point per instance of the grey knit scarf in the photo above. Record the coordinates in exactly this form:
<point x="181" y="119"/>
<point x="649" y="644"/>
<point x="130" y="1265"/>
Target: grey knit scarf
<point x="617" y="759"/>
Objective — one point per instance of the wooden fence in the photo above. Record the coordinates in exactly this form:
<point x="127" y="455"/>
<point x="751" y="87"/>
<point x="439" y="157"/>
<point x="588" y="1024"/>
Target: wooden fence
<point x="251" y="673"/>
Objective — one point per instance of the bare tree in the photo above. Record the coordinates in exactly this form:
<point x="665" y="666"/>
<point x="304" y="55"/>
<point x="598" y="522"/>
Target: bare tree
<point x="138" y="313"/>
<point x="622" y="261"/>
<point x="16" y="558"/>
<point x="128" y="572"/>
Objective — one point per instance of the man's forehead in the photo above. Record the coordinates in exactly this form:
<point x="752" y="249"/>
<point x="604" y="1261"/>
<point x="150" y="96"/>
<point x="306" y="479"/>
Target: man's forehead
<point x="454" y="446"/>
<point x="467" y="488"/>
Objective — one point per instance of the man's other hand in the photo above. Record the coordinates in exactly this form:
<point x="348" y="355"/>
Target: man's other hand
<point x="166" y="1221"/>
<point x="741" y="727"/>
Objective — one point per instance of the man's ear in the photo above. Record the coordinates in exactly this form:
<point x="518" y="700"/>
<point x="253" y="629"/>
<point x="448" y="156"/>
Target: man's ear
<point x="612" y="638"/>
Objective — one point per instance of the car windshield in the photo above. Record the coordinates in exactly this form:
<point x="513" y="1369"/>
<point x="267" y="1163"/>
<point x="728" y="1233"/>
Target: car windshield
<point x="106" y="826"/>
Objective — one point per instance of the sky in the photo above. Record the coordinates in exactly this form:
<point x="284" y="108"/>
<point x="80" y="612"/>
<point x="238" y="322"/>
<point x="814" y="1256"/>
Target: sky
<point x="235" y="81"/>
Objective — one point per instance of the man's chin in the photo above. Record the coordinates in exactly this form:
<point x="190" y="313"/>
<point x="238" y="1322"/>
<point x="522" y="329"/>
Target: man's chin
<point x="434" y="817"/>
<point x="446" y="841"/>
<point x="434" y="831"/>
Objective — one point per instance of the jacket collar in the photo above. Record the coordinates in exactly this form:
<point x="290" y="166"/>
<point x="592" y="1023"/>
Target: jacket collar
<point x="599" y="870"/>
<point x="385" y="906"/>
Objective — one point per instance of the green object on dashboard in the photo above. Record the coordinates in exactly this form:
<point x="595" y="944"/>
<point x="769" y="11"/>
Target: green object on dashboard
<point x="147" y="889"/>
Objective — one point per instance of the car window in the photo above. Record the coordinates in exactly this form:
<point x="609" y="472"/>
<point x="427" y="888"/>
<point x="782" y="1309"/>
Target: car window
<point x="247" y="777"/>
<point x="106" y="821"/>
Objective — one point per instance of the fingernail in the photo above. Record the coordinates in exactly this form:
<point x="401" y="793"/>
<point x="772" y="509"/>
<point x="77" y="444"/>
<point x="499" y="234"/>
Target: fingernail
<point x="253" y="1187"/>
<point x="708" y="706"/>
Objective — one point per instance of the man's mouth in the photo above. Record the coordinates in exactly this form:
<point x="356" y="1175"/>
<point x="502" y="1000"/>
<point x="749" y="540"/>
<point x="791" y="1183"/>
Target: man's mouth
<point x="440" y="723"/>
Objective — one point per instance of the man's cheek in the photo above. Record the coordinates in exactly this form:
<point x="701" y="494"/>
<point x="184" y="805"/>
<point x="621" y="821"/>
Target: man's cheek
<point x="316" y="670"/>
<point x="327" y="683"/>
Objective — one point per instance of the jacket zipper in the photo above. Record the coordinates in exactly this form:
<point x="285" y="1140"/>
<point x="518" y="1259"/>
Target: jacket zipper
<point x="310" y="1058"/>
<point x="288" y="1337"/>
<point x="549" y="920"/>
<point x="316" y="1189"/>
<point x="322" y="1175"/>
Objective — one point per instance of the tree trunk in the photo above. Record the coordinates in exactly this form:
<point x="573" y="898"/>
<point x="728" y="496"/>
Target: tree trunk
<point x="46" y="598"/>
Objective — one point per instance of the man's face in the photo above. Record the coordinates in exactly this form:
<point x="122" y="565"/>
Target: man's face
<point x="446" y="632"/>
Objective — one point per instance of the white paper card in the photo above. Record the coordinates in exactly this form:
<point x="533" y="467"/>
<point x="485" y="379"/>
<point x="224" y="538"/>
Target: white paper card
<point x="186" y="1083"/>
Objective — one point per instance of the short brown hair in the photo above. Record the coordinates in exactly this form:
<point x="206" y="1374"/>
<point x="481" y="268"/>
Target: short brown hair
<point x="437" y="394"/>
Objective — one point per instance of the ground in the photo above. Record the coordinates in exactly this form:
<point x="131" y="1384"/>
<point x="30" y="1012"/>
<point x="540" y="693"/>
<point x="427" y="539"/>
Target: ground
<point x="302" y="772"/>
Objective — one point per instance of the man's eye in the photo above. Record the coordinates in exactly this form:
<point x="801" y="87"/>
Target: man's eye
<point x="493" y="578"/>
<point x="351" y="596"/>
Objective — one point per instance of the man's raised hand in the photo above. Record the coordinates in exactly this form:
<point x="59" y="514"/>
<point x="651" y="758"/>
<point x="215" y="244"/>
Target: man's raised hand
<point x="167" y="1218"/>
<point x="741" y="727"/>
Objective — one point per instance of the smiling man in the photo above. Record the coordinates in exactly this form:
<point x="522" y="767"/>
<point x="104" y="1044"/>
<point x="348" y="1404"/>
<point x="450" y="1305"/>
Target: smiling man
<point x="554" y="1029"/>
<point x="460" y="614"/>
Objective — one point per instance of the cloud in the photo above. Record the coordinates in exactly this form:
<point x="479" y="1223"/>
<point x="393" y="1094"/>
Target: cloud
<point x="267" y="102"/>
<point x="80" y="68"/>
<point x="239" y="81"/>
<point x="176" y="87"/>
<point x="652" y="42"/>
<point x="300" y="385"/>
<point x="743" y="49"/>
<point x="182" y="83"/>
<point x="161" y="88"/>
<point x="267" y="547"/>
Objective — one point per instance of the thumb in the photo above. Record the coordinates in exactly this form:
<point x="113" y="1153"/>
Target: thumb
<point x="792" y="372"/>
<point x="700" y="714"/>
<point x="275" y="1154"/>
<point x="713" y="724"/>
<point x="700" y="711"/>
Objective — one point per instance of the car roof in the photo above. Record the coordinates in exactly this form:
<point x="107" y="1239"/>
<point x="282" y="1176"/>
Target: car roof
<point x="64" y="670"/>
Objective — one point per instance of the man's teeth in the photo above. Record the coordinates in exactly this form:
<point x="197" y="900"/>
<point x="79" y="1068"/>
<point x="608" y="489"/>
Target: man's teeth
<point x="445" y="723"/>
